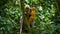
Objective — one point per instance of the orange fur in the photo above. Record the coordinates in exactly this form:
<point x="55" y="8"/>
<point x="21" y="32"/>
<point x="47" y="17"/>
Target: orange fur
<point x="32" y="15"/>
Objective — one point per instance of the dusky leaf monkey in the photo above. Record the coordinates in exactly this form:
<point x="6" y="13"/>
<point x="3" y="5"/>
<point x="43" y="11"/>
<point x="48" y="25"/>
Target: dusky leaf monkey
<point x="30" y="14"/>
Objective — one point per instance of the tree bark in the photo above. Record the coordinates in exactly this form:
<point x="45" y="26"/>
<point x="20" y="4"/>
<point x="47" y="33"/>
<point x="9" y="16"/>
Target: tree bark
<point x="58" y="6"/>
<point x="25" y="24"/>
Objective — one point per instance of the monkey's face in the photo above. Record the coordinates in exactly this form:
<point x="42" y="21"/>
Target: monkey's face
<point x="27" y="12"/>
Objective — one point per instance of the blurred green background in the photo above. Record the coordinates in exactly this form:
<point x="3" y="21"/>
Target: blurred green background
<point x="47" y="20"/>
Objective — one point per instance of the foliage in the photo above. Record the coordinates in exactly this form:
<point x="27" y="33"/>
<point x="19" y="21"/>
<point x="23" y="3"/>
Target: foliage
<point x="10" y="14"/>
<point x="9" y="17"/>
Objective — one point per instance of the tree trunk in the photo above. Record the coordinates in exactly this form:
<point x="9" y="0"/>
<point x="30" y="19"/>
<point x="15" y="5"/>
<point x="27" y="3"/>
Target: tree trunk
<point x="25" y="24"/>
<point x="58" y="6"/>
